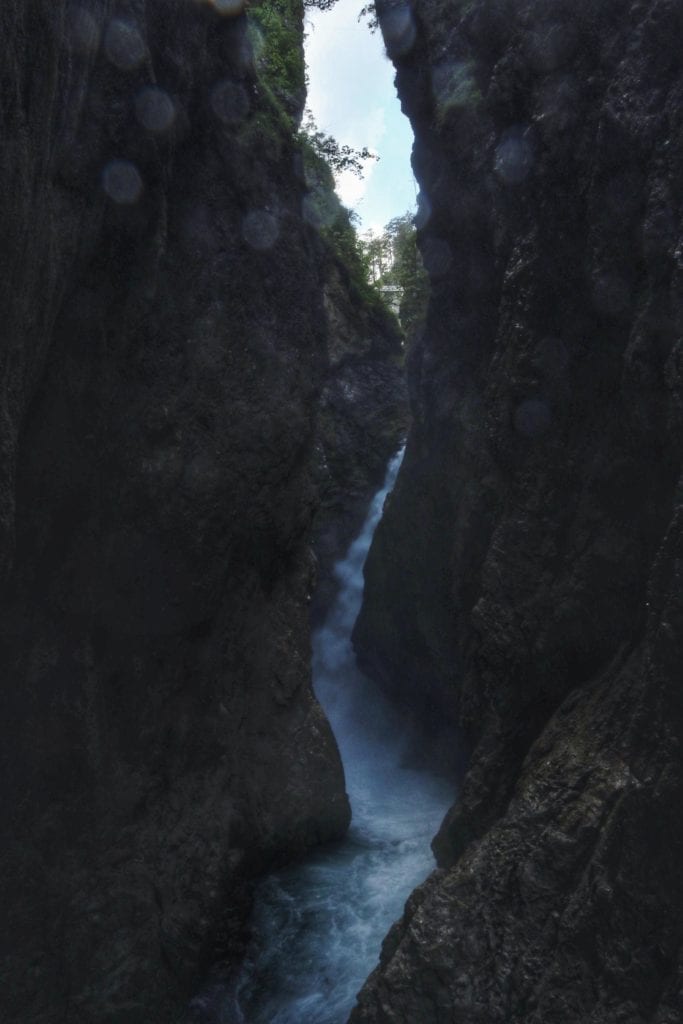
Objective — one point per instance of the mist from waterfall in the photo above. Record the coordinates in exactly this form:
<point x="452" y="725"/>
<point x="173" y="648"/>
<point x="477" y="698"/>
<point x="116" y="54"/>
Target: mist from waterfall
<point x="318" y="926"/>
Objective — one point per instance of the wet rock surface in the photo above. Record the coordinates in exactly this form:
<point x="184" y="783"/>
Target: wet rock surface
<point x="163" y="349"/>
<point x="524" y="585"/>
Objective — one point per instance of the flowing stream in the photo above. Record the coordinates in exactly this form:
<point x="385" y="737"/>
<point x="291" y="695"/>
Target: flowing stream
<point x="318" y="926"/>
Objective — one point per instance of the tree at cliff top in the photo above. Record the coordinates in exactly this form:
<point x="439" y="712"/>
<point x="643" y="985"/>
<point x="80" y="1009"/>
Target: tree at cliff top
<point x="274" y="28"/>
<point x="394" y="263"/>
<point x="338" y="157"/>
<point x="323" y="209"/>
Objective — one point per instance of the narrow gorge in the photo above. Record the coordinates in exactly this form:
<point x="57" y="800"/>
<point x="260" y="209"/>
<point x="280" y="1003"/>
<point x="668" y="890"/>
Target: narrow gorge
<point x="200" y="396"/>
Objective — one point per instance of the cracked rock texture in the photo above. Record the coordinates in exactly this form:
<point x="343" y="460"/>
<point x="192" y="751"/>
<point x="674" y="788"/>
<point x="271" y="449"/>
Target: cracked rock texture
<point x="525" y="584"/>
<point x="164" y="345"/>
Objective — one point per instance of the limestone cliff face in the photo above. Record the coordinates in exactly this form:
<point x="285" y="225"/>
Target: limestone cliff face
<point x="525" y="583"/>
<point x="163" y="343"/>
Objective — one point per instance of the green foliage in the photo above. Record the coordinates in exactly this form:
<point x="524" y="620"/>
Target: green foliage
<point x="455" y="88"/>
<point x="333" y="221"/>
<point x="337" y="156"/>
<point x="394" y="262"/>
<point x="276" y="34"/>
<point x="369" y="12"/>
<point x="381" y="267"/>
<point x="408" y="273"/>
<point x="378" y="256"/>
<point x="343" y="238"/>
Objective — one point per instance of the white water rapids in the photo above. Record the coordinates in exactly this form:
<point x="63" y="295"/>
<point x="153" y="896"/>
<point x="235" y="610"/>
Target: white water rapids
<point x="319" y="925"/>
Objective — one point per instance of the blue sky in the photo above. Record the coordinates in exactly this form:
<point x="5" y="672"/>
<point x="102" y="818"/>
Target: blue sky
<point x="352" y="97"/>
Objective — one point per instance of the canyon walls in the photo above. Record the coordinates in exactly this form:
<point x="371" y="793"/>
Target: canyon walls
<point x="164" y="347"/>
<point x="524" y="591"/>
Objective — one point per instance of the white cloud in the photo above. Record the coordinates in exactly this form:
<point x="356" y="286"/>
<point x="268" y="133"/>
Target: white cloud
<point x="351" y="189"/>
<point x="352" y="97"/>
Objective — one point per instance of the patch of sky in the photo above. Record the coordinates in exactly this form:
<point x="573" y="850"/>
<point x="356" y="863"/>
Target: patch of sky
<point x="352" y="97"/>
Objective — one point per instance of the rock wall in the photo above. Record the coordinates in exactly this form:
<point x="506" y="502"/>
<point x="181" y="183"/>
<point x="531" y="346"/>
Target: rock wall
<point x="525" y="583"/>
<point x="163" y="347"/>
<point x="362" y="422"/>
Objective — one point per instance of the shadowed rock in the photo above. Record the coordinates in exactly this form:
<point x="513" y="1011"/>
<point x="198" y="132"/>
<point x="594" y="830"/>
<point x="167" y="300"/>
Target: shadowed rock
<point x="163" y="341"/>
<point x="525" y="582"/>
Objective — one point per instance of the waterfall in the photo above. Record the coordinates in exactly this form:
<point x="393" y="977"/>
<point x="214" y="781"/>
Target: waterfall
<point x="319" y="925"/>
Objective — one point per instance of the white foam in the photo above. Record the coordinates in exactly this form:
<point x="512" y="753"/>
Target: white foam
<point x="319" y="925"/>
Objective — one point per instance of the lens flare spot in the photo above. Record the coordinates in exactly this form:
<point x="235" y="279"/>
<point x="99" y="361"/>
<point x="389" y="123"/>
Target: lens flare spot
<point x="123" y="45"/>
<point x="454" y="86"/>
<point x="320" y="209"/>
<point x="398" y="30"/>
<point x="154" y="109"/>
<point x="84" y="32"/>
<point x="514" y="158"/>
<point x="424" y="210"/>
<point x="229" y="102"/>
<point x="260" y="230"/>
<point x="122" y="182"/>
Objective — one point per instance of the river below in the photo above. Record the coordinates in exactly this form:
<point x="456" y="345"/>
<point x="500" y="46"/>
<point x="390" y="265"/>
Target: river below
<point x="319" y="925"/>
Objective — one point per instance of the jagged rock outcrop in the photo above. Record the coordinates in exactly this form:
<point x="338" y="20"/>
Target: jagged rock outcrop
<point x="163" y="345"/>
<point x="525" y="583"/>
